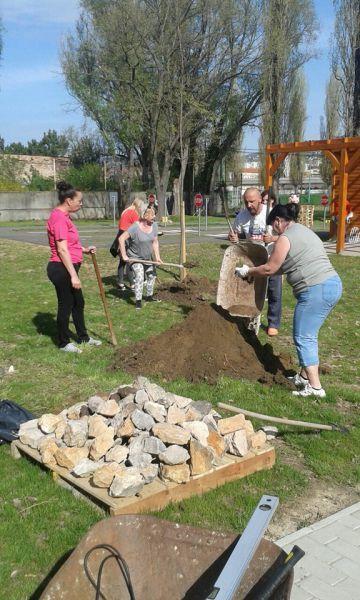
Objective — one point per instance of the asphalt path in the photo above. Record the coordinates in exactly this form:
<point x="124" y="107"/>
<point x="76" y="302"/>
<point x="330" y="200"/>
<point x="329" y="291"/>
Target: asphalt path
<point x="102" y="236"/>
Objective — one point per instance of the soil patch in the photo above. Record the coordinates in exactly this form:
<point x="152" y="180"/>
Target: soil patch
<point x="207" y="344"/>
<point x="188" y="293"/>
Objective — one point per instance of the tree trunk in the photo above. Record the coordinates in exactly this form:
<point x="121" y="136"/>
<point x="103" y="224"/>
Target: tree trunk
<point x="161" y="181"/>
<point x="356" y="117"/>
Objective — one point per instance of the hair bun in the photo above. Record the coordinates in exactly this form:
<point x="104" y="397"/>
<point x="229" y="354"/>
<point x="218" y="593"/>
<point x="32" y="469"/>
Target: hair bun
<point x="293" y="210"/>
<point x="63" y="186"/>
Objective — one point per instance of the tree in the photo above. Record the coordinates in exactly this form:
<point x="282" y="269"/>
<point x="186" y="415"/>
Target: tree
<point x="296" y="124"/>
<point x="289" y="31"/>
<point x="86" y="149"/>
<point x="330" y="125"/>
<point x="140" y="68"/>
<point x="51" y="144"/>
<point x="345" y="41"/>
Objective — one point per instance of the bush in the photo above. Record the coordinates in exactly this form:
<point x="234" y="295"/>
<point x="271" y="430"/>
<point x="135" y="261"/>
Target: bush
<point x="10" y="186"/>
<point x="38" y="183"/>
<point x="87" y="178"/>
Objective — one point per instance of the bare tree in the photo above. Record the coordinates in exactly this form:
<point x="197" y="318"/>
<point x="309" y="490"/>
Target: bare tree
<point x="296" y="126"/>
<point x="330" y="125"/>
<point x="345" y="41"/>
<point x="289" y="32"/>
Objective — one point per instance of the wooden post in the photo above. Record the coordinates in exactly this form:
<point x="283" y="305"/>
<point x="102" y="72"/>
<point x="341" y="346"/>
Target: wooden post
<point x="183" y="272"/>
<point x="343" y="189"/>
<point x="268" y="176"/>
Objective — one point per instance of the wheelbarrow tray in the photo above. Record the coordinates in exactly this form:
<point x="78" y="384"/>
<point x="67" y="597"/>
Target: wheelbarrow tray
<point x="166" y="561"/>
<point x="240" y="297"/>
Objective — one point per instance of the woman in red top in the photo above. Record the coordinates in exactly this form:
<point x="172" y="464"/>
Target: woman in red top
<point x="128" y="217"/>
<point x="63" y="268"/>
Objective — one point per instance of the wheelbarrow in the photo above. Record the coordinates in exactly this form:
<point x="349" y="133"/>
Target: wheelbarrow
<point x="166" y="561"/>
<point x="243" y="297"/>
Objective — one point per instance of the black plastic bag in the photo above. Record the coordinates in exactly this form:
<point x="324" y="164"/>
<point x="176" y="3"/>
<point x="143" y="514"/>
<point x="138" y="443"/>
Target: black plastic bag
<point x="114" y="248"/>
<point x="11" y="417"/>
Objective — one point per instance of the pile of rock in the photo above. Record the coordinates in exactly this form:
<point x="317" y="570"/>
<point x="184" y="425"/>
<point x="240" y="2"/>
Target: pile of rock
<point x="137" y="433"/>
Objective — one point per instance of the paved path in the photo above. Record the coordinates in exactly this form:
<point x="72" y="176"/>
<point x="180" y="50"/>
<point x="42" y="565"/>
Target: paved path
<point x="330" y="569"/>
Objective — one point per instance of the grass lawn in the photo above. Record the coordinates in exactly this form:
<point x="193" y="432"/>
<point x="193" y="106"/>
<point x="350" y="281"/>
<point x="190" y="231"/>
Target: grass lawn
<point x="40" y="522"/>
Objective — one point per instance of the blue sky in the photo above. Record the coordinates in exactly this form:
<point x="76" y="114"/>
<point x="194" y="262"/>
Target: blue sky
<point x="33" y="96"/>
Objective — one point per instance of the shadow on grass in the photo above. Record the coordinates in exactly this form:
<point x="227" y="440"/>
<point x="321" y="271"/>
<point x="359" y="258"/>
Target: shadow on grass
<point x="59" y="563"/>
<point x="45" y="324"/>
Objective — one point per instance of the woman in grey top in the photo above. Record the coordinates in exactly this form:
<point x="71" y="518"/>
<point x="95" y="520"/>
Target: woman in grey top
<point x="300" y="255"/>
<point x="143" y="244"/>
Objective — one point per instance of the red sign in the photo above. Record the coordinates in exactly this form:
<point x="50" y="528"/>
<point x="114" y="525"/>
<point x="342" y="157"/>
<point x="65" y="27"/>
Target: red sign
<point x="198" y="200"/>
<point x="151" y="198"/>
<point x="324" y="200"/>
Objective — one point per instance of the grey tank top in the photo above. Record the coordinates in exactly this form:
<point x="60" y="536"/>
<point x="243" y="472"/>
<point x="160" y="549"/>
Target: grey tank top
<point x="306" y="263"/>
<point x="140" y="244"/>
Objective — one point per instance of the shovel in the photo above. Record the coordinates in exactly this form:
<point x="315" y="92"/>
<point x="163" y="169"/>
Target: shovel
<point x="187" y="265"/>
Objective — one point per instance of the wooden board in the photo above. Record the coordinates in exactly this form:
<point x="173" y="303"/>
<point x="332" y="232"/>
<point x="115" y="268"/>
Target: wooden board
<point x="156" y="495"/>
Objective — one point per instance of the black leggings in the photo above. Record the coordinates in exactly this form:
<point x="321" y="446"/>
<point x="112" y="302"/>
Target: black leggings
<point x="70" y="302"/>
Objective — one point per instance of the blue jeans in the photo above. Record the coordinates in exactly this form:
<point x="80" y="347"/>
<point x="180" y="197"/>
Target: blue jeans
<point x="313" y="306"/>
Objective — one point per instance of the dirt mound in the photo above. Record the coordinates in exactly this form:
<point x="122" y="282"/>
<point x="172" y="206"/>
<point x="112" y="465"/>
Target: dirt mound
<point x="206" y="345"/>
<point x="188" y="293"/>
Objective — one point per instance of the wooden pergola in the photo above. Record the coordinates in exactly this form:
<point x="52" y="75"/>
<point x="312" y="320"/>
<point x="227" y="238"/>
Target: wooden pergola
<point x="344" y="155"/>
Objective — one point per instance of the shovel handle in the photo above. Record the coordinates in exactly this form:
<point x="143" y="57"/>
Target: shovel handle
<point x="103" y="298"/>
<point x="152" y="262"/>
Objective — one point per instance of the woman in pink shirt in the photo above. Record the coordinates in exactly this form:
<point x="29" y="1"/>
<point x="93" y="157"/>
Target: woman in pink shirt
<point x="63" y="268"/>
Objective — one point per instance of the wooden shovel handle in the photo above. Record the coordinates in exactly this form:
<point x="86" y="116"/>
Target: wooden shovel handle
<point x="103" y="298"/>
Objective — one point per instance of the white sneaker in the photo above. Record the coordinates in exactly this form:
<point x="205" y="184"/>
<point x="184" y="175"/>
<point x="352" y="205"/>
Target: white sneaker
<point x="310" y="391"/>
<point x="70" y="347"/>
<point x="92" y="342"/>
<point x="298" y="380"/>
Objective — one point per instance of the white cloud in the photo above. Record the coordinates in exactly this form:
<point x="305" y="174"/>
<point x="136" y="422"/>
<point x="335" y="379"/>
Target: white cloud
<point x="39" y="11"/>
<point x="20" y="77"/>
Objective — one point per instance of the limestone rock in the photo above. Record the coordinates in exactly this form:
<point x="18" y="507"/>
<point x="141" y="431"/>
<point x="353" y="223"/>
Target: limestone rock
<point x="142" y="420"/>
<point x="31" y="437"/>
<point x="48" y="441"/>
<point x="141" y="397"/>
<point x="155" y="410"/>
<point x="117" y="454"/>
<point x="192" y="414"/>
<point x="171" y="434"/>
<point x="248" y="426"/>
<point x="198" y="430"/>
<point x="109" y="408"/>
<point x="75" y="433"/>
<point x="258" y="439"/>
<point x="271" y="431"/>
<point x="176" y="473"/>
<point x="154" y="391"/>
<point x="104" y="475"/>
<point x="152" y="445"/>
<point x="149" y="473"/>
<point x="181" y="401"/>
<point x="231" y="424"/>
<point x="128" y="409"/>
<point x="97" y="425"/>
<point x="73" y="412"/>
<point x="32" y="424"/>
<point x="94" y="402"/>
<point x="136" y="444"/>
<point x="174" y="455"/>
<point x="168" y="400"/>
<point x="126" y="484"/>
<point x="200" y="458"/>
<point x="60" y="429"/>
<point x="175" y="415"/>
<point x="238" y="443"/>
<point x="102" y="444"/>
<point x="129" y="399"/>
<point x="48" y="422"/>
<point x="70" y="457"/>
<point x="114" y="396"/>
<point x="210" y="422"/>
<point x="126" y="430"/>
<point x="140" y="382"/>
<point x="47" y="449"/>
<point x="202" y="407"/>
<point x="126" y="390"/>
<point x="139" y="459"/>
<point x="216" y="443"/>
<point x="86" y="467"/>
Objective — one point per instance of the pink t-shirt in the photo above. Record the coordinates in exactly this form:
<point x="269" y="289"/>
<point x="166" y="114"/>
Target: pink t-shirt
<point x="61" y="227"/>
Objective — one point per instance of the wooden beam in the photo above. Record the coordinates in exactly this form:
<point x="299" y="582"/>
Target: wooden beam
<point x="333" y="159"/>
<point x="336" y="144"/>
<point x="277" y="163"/>
<point x="354" y="161"/>
<point x="343" y="189"/>
<point x="268" y="176"/>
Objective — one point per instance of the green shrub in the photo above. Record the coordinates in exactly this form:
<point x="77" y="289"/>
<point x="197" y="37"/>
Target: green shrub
<point x="38" y="183"/>
<point x="87" y="178"/>
<point x="10" y="186"/>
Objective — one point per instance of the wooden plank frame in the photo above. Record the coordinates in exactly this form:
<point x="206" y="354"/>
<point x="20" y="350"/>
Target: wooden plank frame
<point x="344" y="154"/>
<point x="158" y="494"/>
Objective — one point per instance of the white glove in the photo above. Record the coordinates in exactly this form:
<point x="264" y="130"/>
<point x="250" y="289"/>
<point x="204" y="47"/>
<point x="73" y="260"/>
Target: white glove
<point x="242" y="271"/>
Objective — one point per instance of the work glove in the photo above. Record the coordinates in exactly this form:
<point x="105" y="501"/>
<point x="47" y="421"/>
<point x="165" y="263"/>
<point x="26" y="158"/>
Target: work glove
<point x="242" y="271"/>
